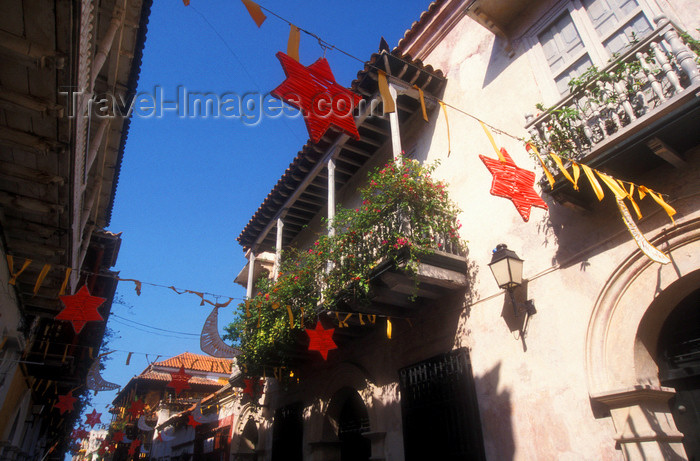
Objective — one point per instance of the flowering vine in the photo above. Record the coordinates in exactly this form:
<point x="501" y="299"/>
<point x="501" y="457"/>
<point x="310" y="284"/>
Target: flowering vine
<point x="404" y="214"/>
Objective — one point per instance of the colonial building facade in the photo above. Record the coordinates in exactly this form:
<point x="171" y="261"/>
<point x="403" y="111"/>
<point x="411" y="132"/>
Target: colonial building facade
<point x="59" y="167"/>
<point x="594" y="356"/>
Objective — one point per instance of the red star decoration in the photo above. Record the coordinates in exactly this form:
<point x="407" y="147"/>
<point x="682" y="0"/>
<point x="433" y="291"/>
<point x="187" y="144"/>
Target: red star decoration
<point x="93" y="418"/>
<point x="321" y="340"/>
<point x="249" y="383"/>
<point x="315" y="92"/>
<point x="78" y="433"/>
<point x="179" y="380"/>
<point x="514" y="183"/>
<point x="80" y="309"/>
<point x="193" y="422"/>
<point x="136" y="408"/>
<point x="133" y="446"/>
<point x="65" y="402"/>
<point x="118" y="436"/>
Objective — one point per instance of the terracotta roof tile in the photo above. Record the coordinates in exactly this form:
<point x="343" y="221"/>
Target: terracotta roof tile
<point x="418" y="25"/>
<point x="197" y="362"/>
<point x="156" y="376"/>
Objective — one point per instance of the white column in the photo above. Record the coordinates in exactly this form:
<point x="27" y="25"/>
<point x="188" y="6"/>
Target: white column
<point x="394" y="123"/>
<point x="251" y="273"/>
<point x="331" y="194"/>
<point x="278" y="246"/>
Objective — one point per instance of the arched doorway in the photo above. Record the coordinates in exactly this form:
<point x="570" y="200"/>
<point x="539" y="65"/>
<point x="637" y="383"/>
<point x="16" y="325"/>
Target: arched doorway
<point x="248" y="442"/>
<point x="623" y="360"/>
<point x="352" y="423"/>
<point x="678" y="358"/>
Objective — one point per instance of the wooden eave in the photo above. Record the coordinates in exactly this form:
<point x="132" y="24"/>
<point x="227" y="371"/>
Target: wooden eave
<point x="310" y="192"/>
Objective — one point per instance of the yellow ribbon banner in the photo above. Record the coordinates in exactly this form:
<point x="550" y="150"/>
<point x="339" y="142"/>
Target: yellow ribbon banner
<point x="389" y="105"/>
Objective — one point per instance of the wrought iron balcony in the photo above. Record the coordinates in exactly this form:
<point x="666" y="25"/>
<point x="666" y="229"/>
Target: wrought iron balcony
<point x="440" y="269"/>
<point x="644" y="107"/>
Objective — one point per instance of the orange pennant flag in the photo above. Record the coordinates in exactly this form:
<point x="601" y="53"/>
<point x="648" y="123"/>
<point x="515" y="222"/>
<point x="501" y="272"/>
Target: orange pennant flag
<point x="40" y="279"/>
<point x="563" y="169"/>
<point x="389" y="105"/>
<point x="421" y="96"/>
<point x="62" y="290"/>
<point x="499" y="154"/>
<point x="255" y="12"/>
<point x="547" y="173"/>
<point x="447" y="124"/>
<point x="594" y="182"/>
<point x="670" y="211"/>
<point x="293" y="42"/>
<point x="10" y="263"/>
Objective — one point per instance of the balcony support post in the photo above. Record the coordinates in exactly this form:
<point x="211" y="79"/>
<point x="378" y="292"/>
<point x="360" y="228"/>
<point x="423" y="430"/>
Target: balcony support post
<point x="394" y="124"/>
<point x="331" y="194"/>
<point x="278" y="246"/>
<point x="251" y="274"/>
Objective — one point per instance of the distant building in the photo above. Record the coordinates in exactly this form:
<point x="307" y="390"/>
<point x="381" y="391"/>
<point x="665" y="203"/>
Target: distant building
<point x="161" y="402"/>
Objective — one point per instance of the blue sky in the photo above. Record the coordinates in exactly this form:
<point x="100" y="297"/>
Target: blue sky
<point x="188" y="185"/>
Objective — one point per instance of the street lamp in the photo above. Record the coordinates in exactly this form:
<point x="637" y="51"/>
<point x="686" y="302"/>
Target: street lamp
<point x="507" y="269"/>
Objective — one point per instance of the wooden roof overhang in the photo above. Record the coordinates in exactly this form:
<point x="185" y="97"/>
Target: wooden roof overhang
<point x="59" y="170"/>
<point x="302" y="191"/>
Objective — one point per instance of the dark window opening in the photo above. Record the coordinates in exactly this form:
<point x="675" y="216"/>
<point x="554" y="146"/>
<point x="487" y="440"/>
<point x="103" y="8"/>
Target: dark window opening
<point x="353" y="421"/>
<point x="288" y="433"/>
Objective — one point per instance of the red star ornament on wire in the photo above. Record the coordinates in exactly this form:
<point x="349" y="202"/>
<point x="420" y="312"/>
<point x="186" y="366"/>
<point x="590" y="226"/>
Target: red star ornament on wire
<point x="118" y="437"/>
<point x="136" y="408"/>
<point x="80" y="309"/>
<point x="192" y="422"/>
<point x="321" y="340"/>
<point x="514" y="183"/>
<point x="133" y="446"/>
<point x="322" y="101"/>
<point x="65" y="402"/>
<point x="93" y="418"/>
<point x="180" y="380"/>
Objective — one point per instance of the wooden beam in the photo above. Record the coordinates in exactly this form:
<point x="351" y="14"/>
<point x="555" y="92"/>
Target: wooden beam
<point x="666" y="152"/>
<point x="22" y="203"/>
<point x="15" y="170"/>
<point x="25" y="103"/>
<point x="30" y="53"/>
<point x="23" y="140"/>
<point x="356" y="150"/>
<point x="32" y="249"/>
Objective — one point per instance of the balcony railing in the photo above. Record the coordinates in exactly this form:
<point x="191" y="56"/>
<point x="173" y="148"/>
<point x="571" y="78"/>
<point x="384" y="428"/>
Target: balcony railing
<point x="653" y="78"/>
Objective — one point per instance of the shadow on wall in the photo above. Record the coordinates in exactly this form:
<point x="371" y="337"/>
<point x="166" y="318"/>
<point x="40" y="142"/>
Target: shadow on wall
<point x="500" y="59"/>
<point x="496" y="410"/>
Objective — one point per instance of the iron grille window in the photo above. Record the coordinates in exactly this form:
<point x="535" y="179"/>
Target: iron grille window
<point x="439" y="409"/>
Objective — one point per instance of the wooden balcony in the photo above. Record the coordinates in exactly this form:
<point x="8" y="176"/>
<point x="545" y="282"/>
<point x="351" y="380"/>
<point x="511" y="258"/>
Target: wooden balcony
<point x="643" y="113"/>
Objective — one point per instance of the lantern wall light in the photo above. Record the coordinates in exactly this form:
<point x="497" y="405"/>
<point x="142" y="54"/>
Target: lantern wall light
<point x="507" y="269"/>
